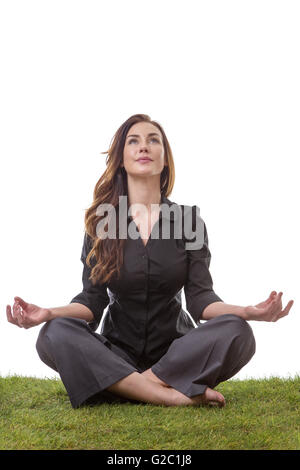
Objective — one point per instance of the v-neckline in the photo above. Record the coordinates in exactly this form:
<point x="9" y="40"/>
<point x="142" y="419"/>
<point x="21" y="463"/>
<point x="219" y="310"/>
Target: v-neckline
<point x="145" y="245"/>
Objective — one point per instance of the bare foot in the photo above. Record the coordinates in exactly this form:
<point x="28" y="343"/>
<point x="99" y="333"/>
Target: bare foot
<point x="213" y="398"/>
<point x="149" y="374"/>
<point x="209" y="397"/>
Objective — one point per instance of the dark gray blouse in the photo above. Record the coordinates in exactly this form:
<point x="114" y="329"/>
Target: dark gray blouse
<point x="144" y="311"/>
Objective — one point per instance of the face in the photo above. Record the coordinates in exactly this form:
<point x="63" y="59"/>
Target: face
<point x="143" y="153"/>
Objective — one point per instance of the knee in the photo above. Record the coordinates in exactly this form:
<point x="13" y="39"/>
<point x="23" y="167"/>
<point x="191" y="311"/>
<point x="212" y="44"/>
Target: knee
<point x="240" y="328"/>
<point x="41" y="339"/>
<point x="54" y="331"/>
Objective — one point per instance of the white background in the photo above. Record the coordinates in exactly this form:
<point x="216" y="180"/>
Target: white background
<point x="222" y="77"/>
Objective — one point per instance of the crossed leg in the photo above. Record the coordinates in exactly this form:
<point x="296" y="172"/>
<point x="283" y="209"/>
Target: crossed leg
<point x="147" y="387"/>
<point x="208" y="355"/>
<point x="210" y="396"/>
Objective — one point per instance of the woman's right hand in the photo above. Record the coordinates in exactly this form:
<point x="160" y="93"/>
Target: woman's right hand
<point x="26" y="315"/>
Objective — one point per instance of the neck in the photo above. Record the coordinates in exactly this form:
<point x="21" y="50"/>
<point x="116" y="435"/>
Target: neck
<point x="144" y="191"/>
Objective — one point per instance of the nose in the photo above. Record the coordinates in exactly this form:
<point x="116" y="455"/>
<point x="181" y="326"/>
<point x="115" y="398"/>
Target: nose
<point x="143" y="148"/>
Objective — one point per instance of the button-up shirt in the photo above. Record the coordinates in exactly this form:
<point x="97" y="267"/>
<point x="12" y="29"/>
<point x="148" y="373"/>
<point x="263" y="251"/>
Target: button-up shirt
<point x="145" y="311"/>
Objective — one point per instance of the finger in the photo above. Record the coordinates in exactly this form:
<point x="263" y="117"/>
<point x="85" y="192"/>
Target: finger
<point x="271" y="297"/>
<point x="278" y="302"/>
<point x="15" y="310"/>
<point x="286" y="310"/>
<point x="18" y="314"/>
<point x="279" y="299"/>
<point x="288" y="307"/>
<point x="9" y="316"/>
<point x="8" y="313"/>
<point x="21" y="302"/>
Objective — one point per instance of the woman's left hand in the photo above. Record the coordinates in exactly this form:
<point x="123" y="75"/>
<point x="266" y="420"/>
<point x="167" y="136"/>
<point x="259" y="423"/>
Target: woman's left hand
<point x="268" y="310"/>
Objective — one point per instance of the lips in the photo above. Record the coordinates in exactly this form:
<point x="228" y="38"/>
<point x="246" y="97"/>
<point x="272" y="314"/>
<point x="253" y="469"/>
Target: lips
<point x="144" y="159"/>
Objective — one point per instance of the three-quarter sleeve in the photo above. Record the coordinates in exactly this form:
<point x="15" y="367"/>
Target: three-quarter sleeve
<point x="198" y="288"/>
<point x="93" y="297"/>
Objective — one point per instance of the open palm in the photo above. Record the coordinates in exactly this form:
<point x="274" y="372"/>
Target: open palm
<point x="26" y="315"/>
<point x="270" y="309"/>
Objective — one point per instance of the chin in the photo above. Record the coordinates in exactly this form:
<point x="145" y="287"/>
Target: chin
<point x="143" y="172"/>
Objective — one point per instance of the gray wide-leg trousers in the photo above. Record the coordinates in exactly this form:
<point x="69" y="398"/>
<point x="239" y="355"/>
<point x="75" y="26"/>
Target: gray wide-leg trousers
<point x="88" y="363"/>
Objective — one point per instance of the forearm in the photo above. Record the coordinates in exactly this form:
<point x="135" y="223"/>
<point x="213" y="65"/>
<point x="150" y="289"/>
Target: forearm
<point x="74" y="310"/>
<point x="216" y="309"/>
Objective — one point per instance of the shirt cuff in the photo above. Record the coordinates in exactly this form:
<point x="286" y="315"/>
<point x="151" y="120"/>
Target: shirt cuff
<point x="94" y="323"/>
<point x="206" y="299"/>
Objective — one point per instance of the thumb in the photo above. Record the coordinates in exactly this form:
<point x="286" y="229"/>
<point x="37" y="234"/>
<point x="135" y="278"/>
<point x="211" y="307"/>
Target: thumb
<point x="22" y="302"/>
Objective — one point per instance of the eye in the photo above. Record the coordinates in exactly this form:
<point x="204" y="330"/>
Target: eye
<point x="135" y="140"/>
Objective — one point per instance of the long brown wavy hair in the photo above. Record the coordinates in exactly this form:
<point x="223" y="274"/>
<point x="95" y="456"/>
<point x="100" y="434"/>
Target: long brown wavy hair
<point x="108" y="252"/>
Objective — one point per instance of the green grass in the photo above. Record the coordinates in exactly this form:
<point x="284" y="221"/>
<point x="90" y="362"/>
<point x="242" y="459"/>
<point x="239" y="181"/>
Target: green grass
<point x="259" y="414"/>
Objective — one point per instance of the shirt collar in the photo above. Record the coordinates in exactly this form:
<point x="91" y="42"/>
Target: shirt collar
<point x="165" y="213"/>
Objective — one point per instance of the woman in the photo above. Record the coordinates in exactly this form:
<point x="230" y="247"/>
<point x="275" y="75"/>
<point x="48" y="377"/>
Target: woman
<point x="149" y="349"/>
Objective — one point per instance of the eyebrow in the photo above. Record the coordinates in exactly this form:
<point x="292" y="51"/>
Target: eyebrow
<point x="136" y="135"/>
